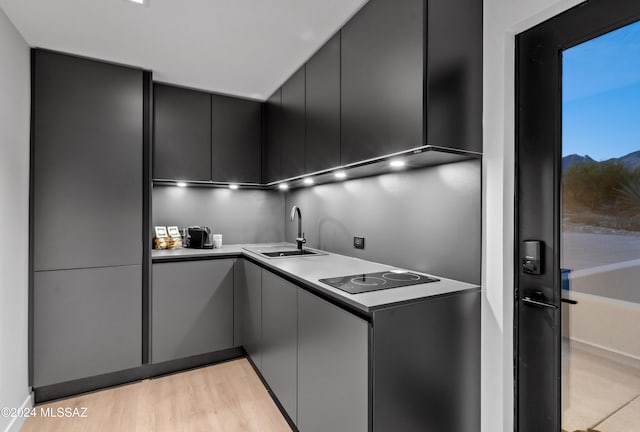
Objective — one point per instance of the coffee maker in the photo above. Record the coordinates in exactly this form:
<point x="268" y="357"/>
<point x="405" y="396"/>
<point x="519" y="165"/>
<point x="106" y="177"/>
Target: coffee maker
<point x="200" y="237"/>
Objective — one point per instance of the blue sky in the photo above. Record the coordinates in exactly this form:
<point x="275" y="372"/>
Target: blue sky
<point x="601" y="95"/>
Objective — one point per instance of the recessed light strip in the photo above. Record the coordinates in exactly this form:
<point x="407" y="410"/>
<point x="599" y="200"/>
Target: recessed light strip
<point x="340" y="175"/>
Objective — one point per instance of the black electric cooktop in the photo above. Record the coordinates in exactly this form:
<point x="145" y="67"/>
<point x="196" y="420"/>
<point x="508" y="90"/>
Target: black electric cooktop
<point x="361" y="283"/>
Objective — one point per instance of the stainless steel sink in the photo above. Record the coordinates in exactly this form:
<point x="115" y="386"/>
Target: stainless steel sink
<point x="289" y="253"/>
<point x="283" y="251"/>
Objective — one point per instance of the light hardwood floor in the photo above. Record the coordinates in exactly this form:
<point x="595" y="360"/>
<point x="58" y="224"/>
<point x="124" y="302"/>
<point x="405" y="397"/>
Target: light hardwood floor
<point x="220" y="398"/>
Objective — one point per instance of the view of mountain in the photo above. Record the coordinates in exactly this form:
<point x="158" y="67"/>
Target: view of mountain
<point x="573" y="159"/>
<point x="630" y="161"/>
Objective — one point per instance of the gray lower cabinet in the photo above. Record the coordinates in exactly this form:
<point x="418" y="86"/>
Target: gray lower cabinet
<point x="333" y="367"/>
<point x="86" y="322"/>
<point x="414" y="367"/>
<point x="191" y="308"/>
<point x="280" y="339"/>
<point x="249" y="294"/>
<point x="427" y="365"/>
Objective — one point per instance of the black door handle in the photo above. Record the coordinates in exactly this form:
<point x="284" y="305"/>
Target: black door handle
<point x="569" y="301"/>
<point x="532" y="302"/>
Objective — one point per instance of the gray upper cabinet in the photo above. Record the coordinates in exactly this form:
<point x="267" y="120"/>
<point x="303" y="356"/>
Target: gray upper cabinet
<point x="383" y="51"/>
<point x="280" y="339"/>
<point x="236" y="140"/>
<point x="292" y="151"/>
<point x="398" y="75"/>
<point x="333" y="368"/>
<point x="273" y="138"/>
<point x="454" y="71"/>
<point x="323" y="108"/>
<point x="182" y="138"/>
<point x="86" y="322"/>
<point x="88" y="145"/>
<point x="191" y="308"/>
<point x="249" y="288"/>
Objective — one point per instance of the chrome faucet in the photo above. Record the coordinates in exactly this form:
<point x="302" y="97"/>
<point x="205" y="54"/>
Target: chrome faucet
<point x="300" y="240"/>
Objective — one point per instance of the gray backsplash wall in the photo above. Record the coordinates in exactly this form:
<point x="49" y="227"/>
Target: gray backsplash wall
<point x="427" y="220"/>
<point x="241" y="216"/>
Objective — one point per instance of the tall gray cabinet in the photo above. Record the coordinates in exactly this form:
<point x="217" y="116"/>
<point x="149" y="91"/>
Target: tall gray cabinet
<point x="87" y="217"/>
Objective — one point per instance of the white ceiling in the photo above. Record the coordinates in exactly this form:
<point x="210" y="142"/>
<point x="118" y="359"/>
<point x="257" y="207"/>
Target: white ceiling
<point x="240" y="47"/>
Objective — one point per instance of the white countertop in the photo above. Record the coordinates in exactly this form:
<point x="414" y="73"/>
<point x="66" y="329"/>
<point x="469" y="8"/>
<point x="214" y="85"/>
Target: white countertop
<point x="308" y="270"/>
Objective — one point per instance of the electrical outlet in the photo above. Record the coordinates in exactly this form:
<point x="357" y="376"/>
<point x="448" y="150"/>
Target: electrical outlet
<point x="358" y="242"/>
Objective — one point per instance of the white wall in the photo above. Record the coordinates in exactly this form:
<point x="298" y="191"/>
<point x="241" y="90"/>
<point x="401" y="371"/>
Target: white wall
<point x="14" y="218"/>
<point x="502" y="20"/>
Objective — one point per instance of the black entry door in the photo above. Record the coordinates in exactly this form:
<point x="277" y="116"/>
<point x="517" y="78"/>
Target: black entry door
<point x="541" y="309"/>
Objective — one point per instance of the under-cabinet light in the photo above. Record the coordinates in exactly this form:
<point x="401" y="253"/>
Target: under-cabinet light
<point x="308" y="181"/>
<point x="283" y="186"/>
<point x="340" y="175"/>
<point x="233" y="186"/>
<point x="181" y="184"/>
<point x="397" y="163"/>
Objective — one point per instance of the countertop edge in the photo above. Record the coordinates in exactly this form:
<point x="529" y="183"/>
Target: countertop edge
<point x="365" y="312"/>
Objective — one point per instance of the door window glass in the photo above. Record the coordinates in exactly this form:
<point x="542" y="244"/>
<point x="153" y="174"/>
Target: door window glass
<point x="601" y="233"/>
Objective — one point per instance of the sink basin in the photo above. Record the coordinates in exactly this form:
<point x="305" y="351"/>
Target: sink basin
<point x="288" y="253"/>
<point x="283" y="251"/>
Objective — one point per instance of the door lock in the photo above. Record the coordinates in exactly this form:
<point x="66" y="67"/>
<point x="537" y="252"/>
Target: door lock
<point x="532" y="257"/>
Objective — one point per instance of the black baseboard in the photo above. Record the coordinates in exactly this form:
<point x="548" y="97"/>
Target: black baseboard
<point x="290" y="421"/>
<point x="100" y="382"/>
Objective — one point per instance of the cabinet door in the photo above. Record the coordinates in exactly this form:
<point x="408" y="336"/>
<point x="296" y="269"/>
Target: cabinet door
<point x="249" y="288"/>
<point x="86" y="322"/>
<point x="236" y="146"/>
<point x="273" y="138"/>
<point x="382" y="79"/>
<point x="280" y="339"/>
<point x="182" y="138"/>
<point x="429" y="352"/>
<point x="454" y="69"/>
<point x="333" y="367"/>
<point x="323" y="108"/>
<point x="192" y="308"/>
<point x="292" y="152"/>
<point x="87" y="134"/>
